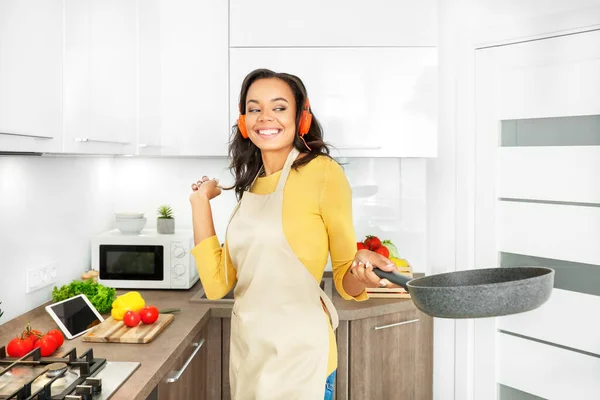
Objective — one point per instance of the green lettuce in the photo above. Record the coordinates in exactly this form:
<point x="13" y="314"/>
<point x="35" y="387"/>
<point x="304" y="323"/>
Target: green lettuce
<point x="99" y="295"/>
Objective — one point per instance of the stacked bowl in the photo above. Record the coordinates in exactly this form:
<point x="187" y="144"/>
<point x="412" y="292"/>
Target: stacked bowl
<point x="130" y="223"/>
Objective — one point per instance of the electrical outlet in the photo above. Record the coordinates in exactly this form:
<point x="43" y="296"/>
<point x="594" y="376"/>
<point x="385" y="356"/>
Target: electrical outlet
<point x="40" y="277"/>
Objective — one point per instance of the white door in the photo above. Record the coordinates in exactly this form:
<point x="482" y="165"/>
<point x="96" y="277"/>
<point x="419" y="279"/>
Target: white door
<point x="537" y="202"/>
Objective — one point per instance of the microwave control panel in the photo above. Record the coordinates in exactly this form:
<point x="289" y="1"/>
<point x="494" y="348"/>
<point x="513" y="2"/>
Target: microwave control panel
<point x="183" y="271"/>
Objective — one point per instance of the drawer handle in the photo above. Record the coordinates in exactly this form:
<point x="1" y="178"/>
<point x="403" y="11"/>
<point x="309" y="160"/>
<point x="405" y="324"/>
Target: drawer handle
<point x="143" y="145"/>
<point x="25" y="135"/>
<point x="85" y="140"/>
<point x="396" y="324"/>
<point x="357" y="147"/>
<point x="177" y="374"/>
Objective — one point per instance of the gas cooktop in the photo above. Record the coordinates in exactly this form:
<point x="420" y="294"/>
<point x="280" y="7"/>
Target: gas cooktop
<point x="68" y="377"/>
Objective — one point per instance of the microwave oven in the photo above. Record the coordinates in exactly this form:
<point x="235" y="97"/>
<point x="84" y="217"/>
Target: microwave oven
<point x="147" y="260"/>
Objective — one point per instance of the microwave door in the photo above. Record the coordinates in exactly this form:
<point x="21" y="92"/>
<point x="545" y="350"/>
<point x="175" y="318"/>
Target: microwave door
<point x="131" y="263"/>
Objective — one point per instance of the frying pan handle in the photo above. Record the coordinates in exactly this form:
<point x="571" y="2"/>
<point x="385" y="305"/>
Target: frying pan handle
<point x="394" y="277"/>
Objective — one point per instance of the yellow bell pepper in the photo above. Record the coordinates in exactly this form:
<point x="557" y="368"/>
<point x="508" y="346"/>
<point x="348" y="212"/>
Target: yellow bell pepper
<point x="401" y="263"/>
<point x="128" y="301"/>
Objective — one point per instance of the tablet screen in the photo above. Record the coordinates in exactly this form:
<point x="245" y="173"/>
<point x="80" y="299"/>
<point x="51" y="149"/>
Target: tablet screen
<point x="76" y="315"/>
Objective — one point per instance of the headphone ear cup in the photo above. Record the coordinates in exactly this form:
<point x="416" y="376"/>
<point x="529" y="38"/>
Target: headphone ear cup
<point x="241" y="123"/>
<point x="305" y="121"/>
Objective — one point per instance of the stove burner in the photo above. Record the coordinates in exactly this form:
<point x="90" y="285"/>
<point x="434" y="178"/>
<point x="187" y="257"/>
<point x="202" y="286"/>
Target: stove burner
<point x="56" y="369"/>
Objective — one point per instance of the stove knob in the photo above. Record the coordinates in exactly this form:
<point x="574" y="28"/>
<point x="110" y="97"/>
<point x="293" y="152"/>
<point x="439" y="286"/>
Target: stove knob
<point x="95" y="383"/>
<point x="84" y="391"/>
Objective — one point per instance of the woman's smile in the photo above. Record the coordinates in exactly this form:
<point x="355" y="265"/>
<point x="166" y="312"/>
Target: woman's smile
<point x="268" y="133"/>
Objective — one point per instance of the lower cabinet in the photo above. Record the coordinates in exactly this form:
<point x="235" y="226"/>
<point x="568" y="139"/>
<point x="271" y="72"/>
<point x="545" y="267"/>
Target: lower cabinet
<point x="386" y="357"/>
<point x="197" y="372"/>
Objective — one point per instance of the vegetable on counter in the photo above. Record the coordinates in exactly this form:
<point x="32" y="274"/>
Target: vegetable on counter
<point x="147" y="315"/>
<point x="386" y="248"/>
<point x="130" y="301"/>
<point x="30" y="339"/>
<point x="391" y="248"/>
<point x="99" y="295"/>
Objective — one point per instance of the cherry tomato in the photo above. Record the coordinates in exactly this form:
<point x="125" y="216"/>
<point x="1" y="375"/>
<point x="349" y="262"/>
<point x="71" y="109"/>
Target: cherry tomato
<point x="131" y="318"/>
<point x="18" y="347"/>
<point x="58" y="336"/>
<point x="149" y="314"/>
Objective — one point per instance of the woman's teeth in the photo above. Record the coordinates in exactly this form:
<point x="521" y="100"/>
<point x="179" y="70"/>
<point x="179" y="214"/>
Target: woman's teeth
<point x="268" y="131"/>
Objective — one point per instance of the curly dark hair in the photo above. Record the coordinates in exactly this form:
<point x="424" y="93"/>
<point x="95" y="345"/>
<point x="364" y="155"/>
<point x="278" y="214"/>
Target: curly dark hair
<point x="246" y="160"/>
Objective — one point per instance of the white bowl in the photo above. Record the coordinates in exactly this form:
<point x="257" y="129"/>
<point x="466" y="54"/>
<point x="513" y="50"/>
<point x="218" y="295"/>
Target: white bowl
<point x="131" y="226"/>
<point x="129" y="215"/>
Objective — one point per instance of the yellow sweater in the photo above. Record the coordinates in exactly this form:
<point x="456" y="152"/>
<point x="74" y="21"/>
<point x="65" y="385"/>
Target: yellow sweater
<point x="317" y="222"/>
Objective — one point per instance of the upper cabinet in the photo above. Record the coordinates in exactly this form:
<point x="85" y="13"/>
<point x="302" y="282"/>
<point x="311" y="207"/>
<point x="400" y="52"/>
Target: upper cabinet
<point x="333" y="23"/>
<point x="100" y="76"/>
<point x="159" y="77"/>
<point x="31" y="54"/>
<point x="371" y="102"/>
<point x="183" y="78"/>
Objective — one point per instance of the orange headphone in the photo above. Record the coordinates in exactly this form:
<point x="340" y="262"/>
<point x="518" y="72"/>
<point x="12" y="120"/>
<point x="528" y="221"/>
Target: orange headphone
<point x="303" y="126"/>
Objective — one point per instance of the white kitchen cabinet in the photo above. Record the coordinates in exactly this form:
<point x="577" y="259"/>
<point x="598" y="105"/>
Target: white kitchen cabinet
<point x="100" y="76"/>
<point x="371" y="102"/>
<point x="335" y="23"/>
<point x="31" y="53"/>
<point x="183" y="78"/>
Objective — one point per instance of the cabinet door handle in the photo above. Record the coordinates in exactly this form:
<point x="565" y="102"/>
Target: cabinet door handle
<point x="26" y="135"/>
<point x="143" y="146"/>
<point x="396" y="324"/>
<point x="85" y="140"/>
<point x="357" y="147"/>
<point x="177" y="374"/>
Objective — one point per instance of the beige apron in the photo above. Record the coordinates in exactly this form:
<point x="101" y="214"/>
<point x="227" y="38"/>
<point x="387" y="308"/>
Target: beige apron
<point x="279" y="331"/>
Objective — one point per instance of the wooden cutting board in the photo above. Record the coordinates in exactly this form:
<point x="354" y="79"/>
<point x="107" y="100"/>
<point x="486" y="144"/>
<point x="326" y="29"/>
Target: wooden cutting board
<point x="113" y="331"/>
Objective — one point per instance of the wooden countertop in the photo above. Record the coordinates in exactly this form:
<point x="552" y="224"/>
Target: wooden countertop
<point x="159" y="355"/>
<point x="348" y="310"/>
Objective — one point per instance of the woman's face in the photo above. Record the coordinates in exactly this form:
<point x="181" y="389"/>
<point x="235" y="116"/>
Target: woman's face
<point x="271" y="114"/>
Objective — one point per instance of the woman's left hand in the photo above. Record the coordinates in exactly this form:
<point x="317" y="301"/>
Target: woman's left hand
<point x="363" y="264"/>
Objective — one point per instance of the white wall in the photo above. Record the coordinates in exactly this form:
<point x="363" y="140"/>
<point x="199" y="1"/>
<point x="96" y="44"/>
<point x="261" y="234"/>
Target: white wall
<point x="396" y="212"/>
<point x="49" y="208"/>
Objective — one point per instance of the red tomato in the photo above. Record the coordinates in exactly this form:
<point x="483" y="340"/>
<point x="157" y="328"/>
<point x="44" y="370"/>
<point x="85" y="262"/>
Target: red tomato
<point x="47" y="345"/>
<point x="131" y="318"/>
<point x="149" y="314"/>
<point x="18" y="347"/>
<point x="372" y="243"/>
<point x="58" y="336"/>
<point x="360" y="246"/>
<point x="383" y="251"/>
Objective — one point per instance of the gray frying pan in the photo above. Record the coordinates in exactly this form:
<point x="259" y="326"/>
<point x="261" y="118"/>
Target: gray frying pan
<point x="477" y="293"/>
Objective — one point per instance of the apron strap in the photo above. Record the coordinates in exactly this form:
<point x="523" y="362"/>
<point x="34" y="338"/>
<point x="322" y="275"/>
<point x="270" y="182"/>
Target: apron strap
<point x="286" y="169"/>
<point x="335" y="319"/>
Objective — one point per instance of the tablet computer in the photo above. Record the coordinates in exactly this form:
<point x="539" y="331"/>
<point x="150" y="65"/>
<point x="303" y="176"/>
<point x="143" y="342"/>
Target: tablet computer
<point x="75" y="315"/>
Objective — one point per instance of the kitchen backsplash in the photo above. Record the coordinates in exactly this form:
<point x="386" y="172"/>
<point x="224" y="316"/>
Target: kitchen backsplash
<point x="51" y="206"/>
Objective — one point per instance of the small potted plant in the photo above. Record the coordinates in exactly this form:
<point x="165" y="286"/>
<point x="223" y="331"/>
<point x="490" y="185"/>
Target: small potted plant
<point x="165" y="223"/>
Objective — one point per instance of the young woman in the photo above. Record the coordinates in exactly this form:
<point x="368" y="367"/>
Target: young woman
<point x="294" y="210"/>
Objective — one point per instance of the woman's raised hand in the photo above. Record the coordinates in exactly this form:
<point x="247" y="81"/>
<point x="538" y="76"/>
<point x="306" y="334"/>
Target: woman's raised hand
<point x="205" y="189"/>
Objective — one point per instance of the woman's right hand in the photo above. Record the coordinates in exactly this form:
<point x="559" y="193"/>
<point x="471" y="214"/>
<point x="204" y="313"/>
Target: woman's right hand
<point x="205" y="189"/>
